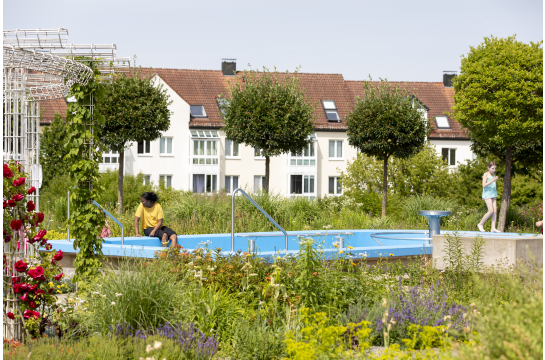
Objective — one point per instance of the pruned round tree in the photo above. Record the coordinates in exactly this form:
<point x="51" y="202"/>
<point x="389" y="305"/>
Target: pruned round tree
<point x="387" y="122"/>
<point x="268" y="111"/>
<point x="136" y="109"/>
<point x="499" y="98"/>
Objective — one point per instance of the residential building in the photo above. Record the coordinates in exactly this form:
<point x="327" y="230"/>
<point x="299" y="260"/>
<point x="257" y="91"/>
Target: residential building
<point x="195" y="155"/>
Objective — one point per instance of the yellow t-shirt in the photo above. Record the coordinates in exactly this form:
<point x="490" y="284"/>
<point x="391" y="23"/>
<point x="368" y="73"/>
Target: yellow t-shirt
<point x="150" y="216"/>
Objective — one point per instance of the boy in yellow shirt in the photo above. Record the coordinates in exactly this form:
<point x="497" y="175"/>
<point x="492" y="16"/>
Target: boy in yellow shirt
<point x="152" y="217"/>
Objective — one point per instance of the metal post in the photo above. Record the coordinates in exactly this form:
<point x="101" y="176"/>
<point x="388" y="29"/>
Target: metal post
<point x="251" y="246"/>
<point x="434" y="225"/>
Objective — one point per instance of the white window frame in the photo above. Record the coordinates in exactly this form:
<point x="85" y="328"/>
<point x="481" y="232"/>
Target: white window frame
<point x="165" y="179"/>
<point x="206" y="183"/>
<point x="198" y="116"/>
<point x="231" y="179"/>
<point x="262" y="182"/>
<point x="146" y="179"/>
<point x="335" y="150"/>
<point x="204" y="137"/>
<point x="257" y="154"/>
<point x="331" y="109"/>
<point x="233" y="145"/>
<point x="164" y="138"/>
<point x="304" y="158"/>
<point x="110" y="154"/>
<point x="336" y="186"/>
<point x="449" y="156"/>
<point x="304" y="178"/>
<point x="150" y="153"/>
<point x="445" y="118"/>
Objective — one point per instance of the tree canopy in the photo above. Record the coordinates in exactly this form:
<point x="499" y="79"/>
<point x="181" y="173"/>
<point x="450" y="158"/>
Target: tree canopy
<point x="387" y="122"/>
<point x="136" y="109"/>
<point x="268" y="111"/>
<point x="499" y="98"/>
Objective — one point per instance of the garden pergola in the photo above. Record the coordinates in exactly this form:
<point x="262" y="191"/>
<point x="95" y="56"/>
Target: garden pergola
<point x="39" y="64"/>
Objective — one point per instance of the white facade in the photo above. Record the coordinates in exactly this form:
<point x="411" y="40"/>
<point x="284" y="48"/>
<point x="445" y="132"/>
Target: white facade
<point x="196" y="159"/>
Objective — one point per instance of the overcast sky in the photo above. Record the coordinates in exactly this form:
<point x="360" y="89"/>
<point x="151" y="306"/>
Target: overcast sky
<point x="397" y="40"/>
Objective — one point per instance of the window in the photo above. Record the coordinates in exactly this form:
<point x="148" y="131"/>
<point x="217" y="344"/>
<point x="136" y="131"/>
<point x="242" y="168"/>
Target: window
<point x="335" y="149"/>
<point x="205" y="152"/>
<point x="197" y="111"/>
<point x="449" y="156"/>
<point x="222" y="104"/>
<point x="165" y="146"/>
<point x="306" y="157"/>
<point x="110" y="157"/>
<point x="331" y="112"/>
<point x="204" y="134"/>
<point x="335" y="185"/>
<point x="144" y="147"/>
<point x="165" y="181"/>
<point x="204" y="183"/>
<point x="146" y="179"/>
<point x="442" y="122"/>
<point x="257" y="153"/>
<point x="259" y="183"/>
<point x="231" y="183"/>
<point x="231" y="148"/>
<point x="301" y="184"/>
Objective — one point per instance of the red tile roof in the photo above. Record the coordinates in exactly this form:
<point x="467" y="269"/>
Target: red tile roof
<point x="435" y="96"/>
<point x="202" y="87"/>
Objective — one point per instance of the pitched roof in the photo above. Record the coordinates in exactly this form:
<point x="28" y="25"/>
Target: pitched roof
<point x="202" y="87"/>
<point x="433" y="95"/>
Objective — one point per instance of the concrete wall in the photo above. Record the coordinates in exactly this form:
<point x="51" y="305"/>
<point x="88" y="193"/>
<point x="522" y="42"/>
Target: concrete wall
<point x="497" y="250"/>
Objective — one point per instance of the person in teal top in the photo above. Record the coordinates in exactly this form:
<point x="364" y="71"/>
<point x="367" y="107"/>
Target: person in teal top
<point x="490" y="194"/>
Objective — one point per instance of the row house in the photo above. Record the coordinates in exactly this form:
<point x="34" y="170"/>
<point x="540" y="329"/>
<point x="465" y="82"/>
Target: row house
<point x="195" y="155"/>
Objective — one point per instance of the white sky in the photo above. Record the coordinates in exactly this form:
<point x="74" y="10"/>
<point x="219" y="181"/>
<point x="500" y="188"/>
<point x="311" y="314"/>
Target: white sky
<point x="397" y="40"/>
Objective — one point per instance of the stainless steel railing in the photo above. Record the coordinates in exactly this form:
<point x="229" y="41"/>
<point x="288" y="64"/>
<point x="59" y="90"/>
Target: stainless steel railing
<point x="259" y="208"/>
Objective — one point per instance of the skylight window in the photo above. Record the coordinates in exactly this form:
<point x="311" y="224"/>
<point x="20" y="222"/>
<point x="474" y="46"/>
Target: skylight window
<point x="204" y="134"/>
<point x="442" y="122"/>
<point x="222" y="104"/>
<point x="197" y="111"/>
<point x="331" y="112"/>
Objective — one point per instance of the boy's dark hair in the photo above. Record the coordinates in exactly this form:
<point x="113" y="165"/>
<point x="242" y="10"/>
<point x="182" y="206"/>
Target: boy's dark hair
<point x="150" y="196"/>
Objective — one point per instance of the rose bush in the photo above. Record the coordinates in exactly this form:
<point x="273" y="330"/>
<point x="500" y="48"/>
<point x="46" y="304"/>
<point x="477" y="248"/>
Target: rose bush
<point x="31" y="275"/>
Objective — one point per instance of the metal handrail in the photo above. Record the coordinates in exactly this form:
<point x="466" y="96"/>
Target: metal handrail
<point x="259" y="208"/>
<point x="114" y="219"/>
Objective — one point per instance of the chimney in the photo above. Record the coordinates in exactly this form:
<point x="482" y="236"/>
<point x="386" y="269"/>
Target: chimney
<point x="228" y="67"/>
<point x="447" y="77"/>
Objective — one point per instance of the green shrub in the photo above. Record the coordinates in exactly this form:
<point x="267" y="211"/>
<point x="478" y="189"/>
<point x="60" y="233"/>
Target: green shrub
<point x="133" y="187"/>
<point x="257" y="341"/>
<point x="411" y="205"/>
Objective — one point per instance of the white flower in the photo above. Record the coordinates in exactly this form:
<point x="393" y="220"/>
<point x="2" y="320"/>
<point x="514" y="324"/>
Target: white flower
<point x="118" y="294"/>
<point x="261" y="302"/>
<point x="252" y="275"/>
<point x="157" y="345"/>
<point x="149" y="348"/>
<point x="103" y="296"/>
<point x="95" y="292"/>
<point x="113" y="302"/>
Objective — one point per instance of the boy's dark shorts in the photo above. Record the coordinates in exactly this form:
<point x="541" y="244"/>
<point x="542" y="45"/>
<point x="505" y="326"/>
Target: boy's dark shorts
<point x="159" y="233"/>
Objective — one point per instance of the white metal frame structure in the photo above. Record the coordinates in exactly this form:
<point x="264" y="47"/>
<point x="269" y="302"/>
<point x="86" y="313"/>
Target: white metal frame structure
<point x="38" y="64"/>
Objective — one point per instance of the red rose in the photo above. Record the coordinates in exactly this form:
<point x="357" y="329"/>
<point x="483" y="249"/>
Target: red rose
<point x="31" y="191"/>
<point x="48" y="246"/>
<point x="30" y="314"/>
<point x="12" y="203"/>
<point x="17" y="288"/>
<point x="5" y="204"/>
<point x="7" y="238"/>
<point x="39" y="292"/>
<point x="32" y="305"/>
<point x="36" y="273"/>
<point x="58" y="277"/>
<point x="18" y="197"/>
<point x="50" y="290"/>
<point x="40" y="218"/>
<point x="24" y="297"/>
<point x="33" y="288"/>
<point x="58" y="256"/>
<point x="38" y="237"/>
<point x="30" y="206"/>
<point x="10" y="315"/>
<point x="19" y="181"/>
<point x="21" y="266"/>
<point x="16" y="224"/>
<point x="7" y="172"/>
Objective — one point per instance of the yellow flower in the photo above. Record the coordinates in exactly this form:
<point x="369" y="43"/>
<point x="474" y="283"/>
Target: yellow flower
<point x="59" y="286"/>
<point x="354" y="264"/>
<point x="340" y="252"/>
<point x="60" y="292"/>
<point x="336" y="245"/>
<point x="350" y="247"/>
<point x="391" y="254"/>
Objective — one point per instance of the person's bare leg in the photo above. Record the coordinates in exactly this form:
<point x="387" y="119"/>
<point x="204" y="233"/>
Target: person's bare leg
<point x="173" y="241"/>
<point x="164" y="242"/>
<point x="494" y="217"/>
<point x="487" y="215"/>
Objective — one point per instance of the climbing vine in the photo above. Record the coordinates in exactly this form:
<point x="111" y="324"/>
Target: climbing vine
<point x="84" y="153"/>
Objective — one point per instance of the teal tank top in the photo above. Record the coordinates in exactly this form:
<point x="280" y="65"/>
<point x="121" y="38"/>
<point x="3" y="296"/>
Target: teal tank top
<point x="490" y="191"/>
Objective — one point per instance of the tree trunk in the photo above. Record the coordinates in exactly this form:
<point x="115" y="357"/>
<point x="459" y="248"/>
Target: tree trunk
<point x="506" y="196"/>
<point x="385" y="186"/>
<point x="267" y="174"/>
<point x="120" y="163"/>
